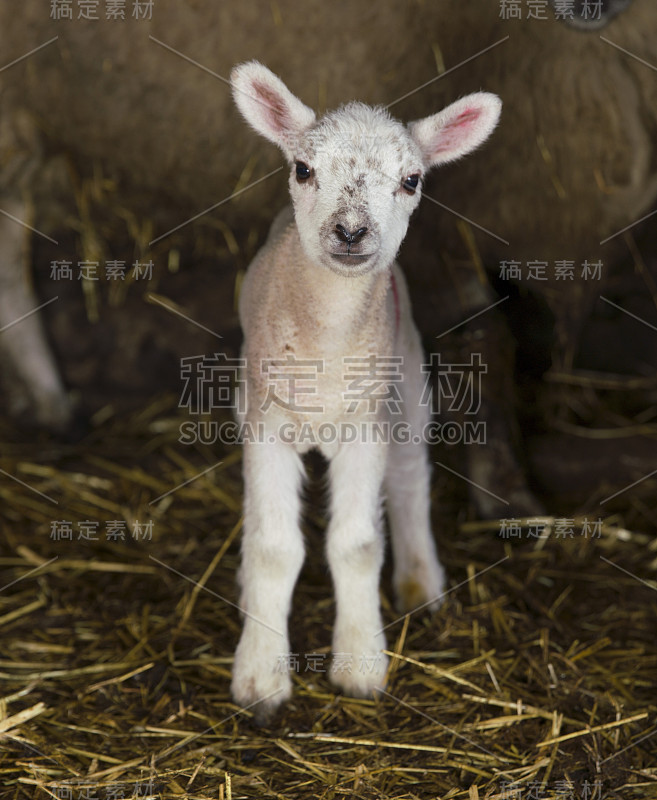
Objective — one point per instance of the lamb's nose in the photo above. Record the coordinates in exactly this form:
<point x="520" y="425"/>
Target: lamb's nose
<point x="351" y="237"/>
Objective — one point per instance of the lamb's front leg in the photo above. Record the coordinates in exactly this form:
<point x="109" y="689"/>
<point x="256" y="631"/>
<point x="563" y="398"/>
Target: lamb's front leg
<point x="272" y="555"/>
<point x="355" y="555"/>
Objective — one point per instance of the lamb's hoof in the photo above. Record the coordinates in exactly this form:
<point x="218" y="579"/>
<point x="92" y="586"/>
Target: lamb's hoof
<point x="259" y="683"/>
<point x="421" y="587"/>
<point x="364" y="679"/>
<point x="265" y="712"/>
<point x="261" y="695"/>
<point x="359" y="666"/>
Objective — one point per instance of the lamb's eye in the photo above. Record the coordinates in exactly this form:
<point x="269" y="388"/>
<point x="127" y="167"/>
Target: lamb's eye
<point x="303" y="171"/>
<point x="410" y="183"/>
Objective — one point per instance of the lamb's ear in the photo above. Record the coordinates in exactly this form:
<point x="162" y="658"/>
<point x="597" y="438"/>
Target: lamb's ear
<point x="269" y="106"/>
<point x="457" y="129"/>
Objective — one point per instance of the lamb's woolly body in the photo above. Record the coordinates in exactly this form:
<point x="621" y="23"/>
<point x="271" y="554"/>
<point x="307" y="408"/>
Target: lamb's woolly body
<point x="321" y="317"/>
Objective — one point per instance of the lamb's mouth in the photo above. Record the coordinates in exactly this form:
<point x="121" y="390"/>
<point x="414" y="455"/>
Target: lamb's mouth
<point x="351" y="259"/>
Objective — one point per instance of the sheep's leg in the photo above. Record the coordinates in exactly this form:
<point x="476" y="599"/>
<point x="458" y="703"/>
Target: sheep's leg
<point x="33" y="386"/>
<point x="355" y="555"/>
<point x="418" y="576"/>
<point x="272" y="555"/>
<point x="494" y="463"/>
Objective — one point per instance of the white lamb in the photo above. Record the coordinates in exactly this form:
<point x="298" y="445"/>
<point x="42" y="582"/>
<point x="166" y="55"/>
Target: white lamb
<point x="323" y="295"/>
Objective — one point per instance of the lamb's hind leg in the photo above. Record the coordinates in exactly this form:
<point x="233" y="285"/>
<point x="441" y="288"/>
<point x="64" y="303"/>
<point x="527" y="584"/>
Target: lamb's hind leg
<point x="418" y="576"/>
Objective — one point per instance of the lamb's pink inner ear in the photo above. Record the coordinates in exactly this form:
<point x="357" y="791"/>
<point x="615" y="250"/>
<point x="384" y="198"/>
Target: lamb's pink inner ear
<point x="269" y="106"/>
<point x="272" y="107"/>
<point x="457" y="129"/>
<point x="455" y="133"/>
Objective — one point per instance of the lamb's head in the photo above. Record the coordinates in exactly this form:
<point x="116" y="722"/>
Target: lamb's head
<point x="356" y="173"/>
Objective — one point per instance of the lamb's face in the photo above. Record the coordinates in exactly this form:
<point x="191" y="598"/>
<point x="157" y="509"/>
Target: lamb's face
<point x="356" y="172"/>
<point x="355" y="180"/>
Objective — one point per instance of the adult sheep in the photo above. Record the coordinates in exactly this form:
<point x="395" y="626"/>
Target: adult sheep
<point x="572" y="162"/>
